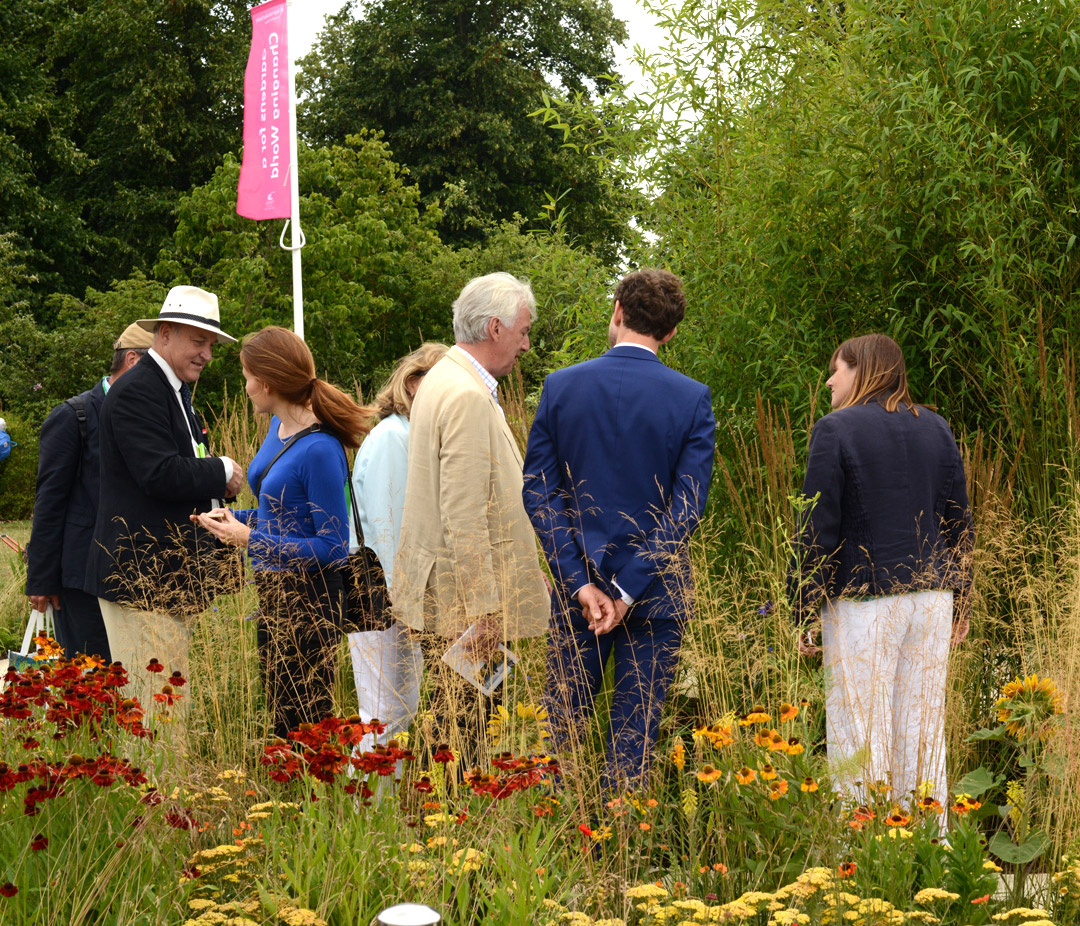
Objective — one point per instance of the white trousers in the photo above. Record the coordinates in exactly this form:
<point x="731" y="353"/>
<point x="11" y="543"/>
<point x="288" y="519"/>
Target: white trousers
<point x="885" y="664"/>
<point x="387" y="667"/>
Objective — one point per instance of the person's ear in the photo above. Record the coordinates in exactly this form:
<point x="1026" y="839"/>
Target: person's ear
<point x="667" y="337"/>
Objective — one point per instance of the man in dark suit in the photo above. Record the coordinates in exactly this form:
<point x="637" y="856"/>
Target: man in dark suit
<point x="151" y="570"/>
<point x="65" y="507"/>
<point x="616" y="475"/>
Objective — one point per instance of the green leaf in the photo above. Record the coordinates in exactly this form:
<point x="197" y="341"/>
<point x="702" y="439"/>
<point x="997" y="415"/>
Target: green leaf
<point x="977" y="783"/>
<point x="1005" y="849"/>
<point x="998" y="733"/>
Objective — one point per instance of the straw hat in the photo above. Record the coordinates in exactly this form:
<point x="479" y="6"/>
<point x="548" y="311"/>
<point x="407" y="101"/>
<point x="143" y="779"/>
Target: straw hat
<point x="189" y="305"/>
<point x="134" y="337"/>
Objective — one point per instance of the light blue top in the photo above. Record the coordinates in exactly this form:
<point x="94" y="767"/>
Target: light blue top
<point x="378" y="482"/>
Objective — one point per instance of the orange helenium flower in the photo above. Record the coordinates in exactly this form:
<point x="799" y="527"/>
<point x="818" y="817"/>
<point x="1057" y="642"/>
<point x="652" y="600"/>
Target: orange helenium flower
<point x="777" y="789"/>
<point x="745" y="775"/>
<point x="788" y="712"/>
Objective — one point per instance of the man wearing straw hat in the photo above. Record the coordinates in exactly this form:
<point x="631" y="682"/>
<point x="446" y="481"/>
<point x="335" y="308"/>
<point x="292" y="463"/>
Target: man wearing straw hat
<point x="150" y="569"/>
<point x="65" y="507"/>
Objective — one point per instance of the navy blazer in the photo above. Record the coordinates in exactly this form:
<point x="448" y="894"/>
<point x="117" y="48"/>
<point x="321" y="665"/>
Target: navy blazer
<point x="617" y="470"/>
<point x="146" y="552"/>
<point x="892" y="512"/>
<point x="65" y="502"/>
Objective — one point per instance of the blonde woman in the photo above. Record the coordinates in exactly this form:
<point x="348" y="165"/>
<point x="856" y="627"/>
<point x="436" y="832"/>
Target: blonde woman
<point x="884" y="550"/>
<point x="387" y="665"/>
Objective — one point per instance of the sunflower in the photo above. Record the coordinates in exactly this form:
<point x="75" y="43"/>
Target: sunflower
<point x="1027" y="707"/>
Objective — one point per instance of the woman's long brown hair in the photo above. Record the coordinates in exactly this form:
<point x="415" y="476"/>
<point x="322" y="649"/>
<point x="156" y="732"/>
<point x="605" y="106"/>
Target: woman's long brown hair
<point x="282" y="360"/>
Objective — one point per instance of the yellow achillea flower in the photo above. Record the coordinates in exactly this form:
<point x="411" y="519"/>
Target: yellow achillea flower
<point x="745" y="775"/>
<point x="789" y="917"/>
<point x="299" y="916"/>
<point x="808" y="784"/>
<point x="1024" y="913"/>
<point x="678" y="756"/>
<point x="646" y="892"/>
<point x="757" y="715"/>
<point x="929" y="895"/>
<point x="788" y="712"/>
<point x="466" y="860"/>
<point x="1028" y="706"/>
<point x="709" y="774"/>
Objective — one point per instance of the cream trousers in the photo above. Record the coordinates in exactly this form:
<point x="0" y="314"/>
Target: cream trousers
<point x="885" y="664"/>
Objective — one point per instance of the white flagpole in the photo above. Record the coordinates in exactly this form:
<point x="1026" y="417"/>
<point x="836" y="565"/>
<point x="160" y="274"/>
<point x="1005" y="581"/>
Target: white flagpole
<point x="298" y="239"/>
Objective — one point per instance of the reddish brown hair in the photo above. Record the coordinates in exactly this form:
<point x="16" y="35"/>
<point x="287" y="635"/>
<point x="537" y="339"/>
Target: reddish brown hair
<point x="282" y="361"/>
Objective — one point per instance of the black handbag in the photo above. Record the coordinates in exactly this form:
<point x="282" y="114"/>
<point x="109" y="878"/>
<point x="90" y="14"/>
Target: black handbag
<point x="367" y="600"/>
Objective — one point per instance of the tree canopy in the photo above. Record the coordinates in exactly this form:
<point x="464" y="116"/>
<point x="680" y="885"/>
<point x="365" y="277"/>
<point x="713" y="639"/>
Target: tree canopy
<point x="451" y="83"/>
<point x="110" y="112"/>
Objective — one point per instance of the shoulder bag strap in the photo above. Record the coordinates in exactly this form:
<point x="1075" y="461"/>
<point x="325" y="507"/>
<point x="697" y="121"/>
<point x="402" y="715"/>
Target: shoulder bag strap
<point x="292" y="440"/>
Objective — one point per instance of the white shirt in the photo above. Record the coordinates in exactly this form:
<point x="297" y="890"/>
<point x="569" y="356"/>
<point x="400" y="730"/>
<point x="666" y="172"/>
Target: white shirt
<point x="489" y="380"/>
<point x="175" y="382"/>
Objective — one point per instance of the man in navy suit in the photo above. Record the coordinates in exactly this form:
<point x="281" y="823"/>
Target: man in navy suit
<point x="65" y="508"/>
<point x="616" y="475"/>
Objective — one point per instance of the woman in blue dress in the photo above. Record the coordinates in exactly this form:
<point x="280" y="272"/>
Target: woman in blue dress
<point x="298" y="536"/>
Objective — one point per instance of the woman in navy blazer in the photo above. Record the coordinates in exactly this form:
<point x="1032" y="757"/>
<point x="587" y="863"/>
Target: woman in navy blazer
<point x="884" y="549"/>
<point x="298" y="534"/>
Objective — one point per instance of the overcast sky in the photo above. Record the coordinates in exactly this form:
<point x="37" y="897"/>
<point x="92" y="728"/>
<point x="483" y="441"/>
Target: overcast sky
<point x="306" y="18"/>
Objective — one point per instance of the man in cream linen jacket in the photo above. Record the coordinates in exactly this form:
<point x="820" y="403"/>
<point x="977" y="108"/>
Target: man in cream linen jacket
<point x="468" y="554"/>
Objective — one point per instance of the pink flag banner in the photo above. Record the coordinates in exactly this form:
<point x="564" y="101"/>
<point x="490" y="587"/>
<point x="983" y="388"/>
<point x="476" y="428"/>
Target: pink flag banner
<point x="264" y="172"/>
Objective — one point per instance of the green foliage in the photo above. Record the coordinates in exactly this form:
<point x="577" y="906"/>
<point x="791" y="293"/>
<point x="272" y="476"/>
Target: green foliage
<point x="115" y="109"/>
<point x="42" y="367"/>
<point x="910" y="168"/>
<point x="376" y="276"/>
<point x="451" y="83"/>
<point x="18" y="473"/>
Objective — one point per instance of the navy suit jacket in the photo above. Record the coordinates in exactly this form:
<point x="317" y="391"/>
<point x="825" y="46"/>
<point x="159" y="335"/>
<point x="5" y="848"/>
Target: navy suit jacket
<point x="146" y="552"/>
<point x="617" y="471"/>
<point x="65" y="504"/>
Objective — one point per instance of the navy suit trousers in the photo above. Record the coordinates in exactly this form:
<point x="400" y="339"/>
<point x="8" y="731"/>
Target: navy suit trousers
<point x="646" y="654"/>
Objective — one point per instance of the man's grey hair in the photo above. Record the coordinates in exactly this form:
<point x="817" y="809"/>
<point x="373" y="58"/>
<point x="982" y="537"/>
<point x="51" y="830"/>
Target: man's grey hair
<point x="496" y="295"/>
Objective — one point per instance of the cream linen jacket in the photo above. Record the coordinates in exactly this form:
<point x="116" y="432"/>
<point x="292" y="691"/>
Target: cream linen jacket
<point x="467" y="547"/>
